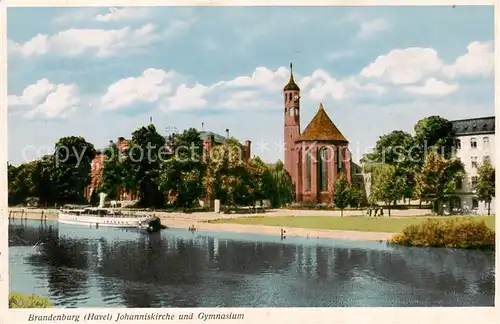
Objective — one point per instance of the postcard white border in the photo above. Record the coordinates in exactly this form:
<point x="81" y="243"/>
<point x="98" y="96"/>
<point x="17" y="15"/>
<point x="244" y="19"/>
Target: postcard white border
<point x="252" y="315"/>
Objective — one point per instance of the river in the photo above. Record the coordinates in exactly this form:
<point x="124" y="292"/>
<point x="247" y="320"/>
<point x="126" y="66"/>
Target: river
<point x="84" y="267"/>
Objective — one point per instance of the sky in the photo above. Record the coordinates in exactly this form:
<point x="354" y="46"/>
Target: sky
<point x="103" y="72"/>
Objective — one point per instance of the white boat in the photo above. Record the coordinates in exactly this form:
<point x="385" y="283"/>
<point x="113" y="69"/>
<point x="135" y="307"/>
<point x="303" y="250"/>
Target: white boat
<point x="98" y="216"/>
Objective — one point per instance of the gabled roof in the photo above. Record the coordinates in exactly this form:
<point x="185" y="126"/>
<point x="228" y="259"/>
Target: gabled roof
<point x="321" y="128"/>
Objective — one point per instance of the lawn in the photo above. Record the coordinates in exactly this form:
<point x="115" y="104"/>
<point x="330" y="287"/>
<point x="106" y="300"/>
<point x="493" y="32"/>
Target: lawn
<point x="351" y="223"/>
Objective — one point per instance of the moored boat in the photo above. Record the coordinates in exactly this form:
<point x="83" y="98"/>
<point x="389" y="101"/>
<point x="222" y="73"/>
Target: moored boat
<point x="99" y="216"/>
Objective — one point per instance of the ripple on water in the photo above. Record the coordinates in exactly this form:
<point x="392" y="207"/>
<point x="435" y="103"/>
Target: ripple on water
<point x="89" y="268"/>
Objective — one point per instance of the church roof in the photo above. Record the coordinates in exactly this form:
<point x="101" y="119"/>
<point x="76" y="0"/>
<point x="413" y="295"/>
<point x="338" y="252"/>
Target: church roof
<point x="291" y="85"/>
<point x="321" y="128"/>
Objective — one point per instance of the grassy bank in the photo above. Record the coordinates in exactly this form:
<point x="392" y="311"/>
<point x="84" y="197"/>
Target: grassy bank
<point x="355" y="223"/>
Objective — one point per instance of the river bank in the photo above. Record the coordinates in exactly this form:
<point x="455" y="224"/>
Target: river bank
<point x="200" y="222"/>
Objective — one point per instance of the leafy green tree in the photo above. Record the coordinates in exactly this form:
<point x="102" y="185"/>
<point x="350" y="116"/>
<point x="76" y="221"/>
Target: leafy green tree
<point x="387" y="186"/>
<point x="436" y="132"/>
<point x="142" y="162"/>
<point x="113" y="172"/>
<point x="486" y="183"/>
<point x="182" y="179"/>
<point x="437" y="179"/>
<point x="182" y="175"/>
<point x="279" y="186"/>
<point x="228" y="175"/>
<point x="342" y="195"/>
<point x="43" y="180"/>
<point x="72" y="157"/>
<point x="397" y="149"/>
<point x="19" y="182"/>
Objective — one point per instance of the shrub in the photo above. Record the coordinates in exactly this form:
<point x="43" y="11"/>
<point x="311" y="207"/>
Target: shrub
<point x="20" y="300"/>
<point x="465" y="233"/>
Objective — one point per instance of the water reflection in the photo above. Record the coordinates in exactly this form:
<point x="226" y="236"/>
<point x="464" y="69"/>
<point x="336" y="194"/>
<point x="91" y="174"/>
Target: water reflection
<point x="83" y="267"/>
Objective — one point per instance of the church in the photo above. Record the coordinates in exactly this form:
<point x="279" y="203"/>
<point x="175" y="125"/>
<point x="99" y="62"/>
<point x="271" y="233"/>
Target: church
<point x="316" y="157"/>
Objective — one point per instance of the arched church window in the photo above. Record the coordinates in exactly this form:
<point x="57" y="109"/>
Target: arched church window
<point x="323" y="169"/>
<point x="340" y="157"/>
<point x="291" y="112"/>
<point x="308" y="171"/>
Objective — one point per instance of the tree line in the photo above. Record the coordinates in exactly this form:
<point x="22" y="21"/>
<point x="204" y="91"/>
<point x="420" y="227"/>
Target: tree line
<point x="179" y="176"/>
<point x="423" y="166"/>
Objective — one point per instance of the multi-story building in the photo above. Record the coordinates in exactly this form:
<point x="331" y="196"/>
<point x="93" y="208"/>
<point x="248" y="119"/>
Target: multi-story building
<point x="475" y="144"/>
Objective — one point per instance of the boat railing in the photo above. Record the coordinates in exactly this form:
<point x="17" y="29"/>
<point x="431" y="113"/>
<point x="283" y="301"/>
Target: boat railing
<point x="114" y="214"/>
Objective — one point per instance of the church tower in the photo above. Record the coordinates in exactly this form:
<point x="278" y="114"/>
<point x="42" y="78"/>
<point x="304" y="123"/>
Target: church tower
<point x="291" y="93"/>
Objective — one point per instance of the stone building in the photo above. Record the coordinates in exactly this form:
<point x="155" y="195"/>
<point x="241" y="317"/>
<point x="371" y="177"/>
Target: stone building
<point x="475" y="144"/>
<point x="316" y="157"/>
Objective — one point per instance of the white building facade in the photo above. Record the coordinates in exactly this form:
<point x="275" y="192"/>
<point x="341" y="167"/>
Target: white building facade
<point x="475" y="143"/>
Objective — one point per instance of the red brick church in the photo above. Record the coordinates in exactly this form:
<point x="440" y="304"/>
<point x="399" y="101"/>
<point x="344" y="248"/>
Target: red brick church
<point x="316" y="157"/>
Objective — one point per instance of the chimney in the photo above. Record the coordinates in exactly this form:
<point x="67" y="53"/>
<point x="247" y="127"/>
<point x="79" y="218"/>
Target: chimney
<point x="248" y="145"/>
<point x="227" y="133"/>
<point x="202" y="126"/>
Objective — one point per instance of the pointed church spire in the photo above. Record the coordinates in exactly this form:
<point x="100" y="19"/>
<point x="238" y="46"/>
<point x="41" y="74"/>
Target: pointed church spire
<point x="291" y="86"/>
<point x="321" y="106"/>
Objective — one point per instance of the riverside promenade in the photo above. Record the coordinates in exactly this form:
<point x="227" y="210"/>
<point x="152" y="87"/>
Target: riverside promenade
<point x="199" y="221"/>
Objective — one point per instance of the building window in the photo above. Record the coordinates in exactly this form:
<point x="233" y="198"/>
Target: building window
<point x="473" y="162"/>
<point x="459" y="183"/>
<point x="486" y="141"/>
<point x="486" y="159"/>
<point x="475" y="203"/>
<point x="473" y="142"/>
<point x="323" y="169"/>
<point x="473" y="182"/>
<point x="308" y="170"/>
<point x="339" y="157"/>
<point x="291" y="112"/>
<point x="458" y="144"/>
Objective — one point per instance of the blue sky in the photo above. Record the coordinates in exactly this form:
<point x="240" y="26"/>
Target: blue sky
<point x="102" y="72"/>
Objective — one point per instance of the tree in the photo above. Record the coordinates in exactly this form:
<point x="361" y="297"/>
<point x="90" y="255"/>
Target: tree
<point x="113" y="172"/>
<point x="437" y="179"/>
<point x="142" y="162"/>
<point x="43" y="180"/>
<point x="486" y="183"/>
<point x="182" y="175"/>
<point x="387" y="186"/>
<point x="343" y="194"/>
<point x="396" y="149"/>
<point x="183" y="180"/>
<point x="437" y="132"/>
<point x="280" y="186"/>
<point x="228" y="177"/>
<point x="72" y="157"/>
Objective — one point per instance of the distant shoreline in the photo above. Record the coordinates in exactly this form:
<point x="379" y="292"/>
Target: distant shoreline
<point x="184" y="221"/>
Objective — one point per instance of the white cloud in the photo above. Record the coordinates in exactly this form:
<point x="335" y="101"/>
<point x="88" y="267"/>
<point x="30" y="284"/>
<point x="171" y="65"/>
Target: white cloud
<point x="479" y="60"/>
<point x="103" y="42"/>
<point x="47" y="100"/>
<point x="433" y="87"/>
<point x="126" y="13"/>
<point x="322" y="85"/>
<point x="186" y="98"/>
<point x="148" y="87"/>
<point x="262" y="77"/>
<point x="404" y="66"/>
<point x="368" y="29"/>
<point x="412" y="65"/>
